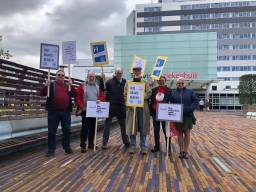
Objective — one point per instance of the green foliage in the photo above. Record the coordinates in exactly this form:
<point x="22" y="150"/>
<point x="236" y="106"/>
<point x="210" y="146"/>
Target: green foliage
<point x="5" y="54"/>
<point x="247" y="89"/>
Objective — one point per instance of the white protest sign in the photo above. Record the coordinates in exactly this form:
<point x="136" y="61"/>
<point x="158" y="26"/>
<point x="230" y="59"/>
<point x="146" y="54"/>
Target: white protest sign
<point x="69" y="52"/>
<point x="49" y="56"/>
<point x="135" y="94"/>
<point x="97" y="110"/>
<point x="170" y="112"/>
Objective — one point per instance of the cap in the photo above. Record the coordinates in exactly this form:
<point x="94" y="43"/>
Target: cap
<point x="136" y="68"/>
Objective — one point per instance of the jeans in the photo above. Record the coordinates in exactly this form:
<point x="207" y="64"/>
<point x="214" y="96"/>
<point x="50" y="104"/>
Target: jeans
<point x="143" y="141"/>
<point x="139" y="123"/>
<point x="88" y="130"/>
<point x="54" y="118"/>
<point x="107" y="130"/>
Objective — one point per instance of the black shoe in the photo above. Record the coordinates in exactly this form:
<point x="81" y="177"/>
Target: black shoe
<point x="185" y="155"/>
<point x="68" y="151"/>
<point x="181" y="155"/>
<point x="127" y="145"/>
<point x="92" y="147"/>
<point x="155" y="150"/>
<point x="83" y="150"/>
<point x="49" y="154"/>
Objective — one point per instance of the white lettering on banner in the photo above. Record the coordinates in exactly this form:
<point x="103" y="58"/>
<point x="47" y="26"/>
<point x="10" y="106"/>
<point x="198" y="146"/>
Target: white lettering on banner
<point x="100" y="54"/>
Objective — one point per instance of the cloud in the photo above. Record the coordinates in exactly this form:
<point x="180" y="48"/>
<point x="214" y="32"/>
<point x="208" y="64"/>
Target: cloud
<point x="25" y="24"/>
<point x="9" y="7"/>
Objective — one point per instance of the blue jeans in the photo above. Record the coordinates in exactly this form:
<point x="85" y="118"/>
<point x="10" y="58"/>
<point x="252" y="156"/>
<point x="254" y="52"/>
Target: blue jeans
<point x="107" y="130"/>
<point x="54" y="118"/>
<point x="139" y="123"/>
<point x="143" y="141"/>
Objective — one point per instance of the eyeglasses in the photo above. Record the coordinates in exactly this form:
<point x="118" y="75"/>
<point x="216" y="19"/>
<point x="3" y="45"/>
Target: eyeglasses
<point x="60" y="75"/>
<point x="180" y="83"/>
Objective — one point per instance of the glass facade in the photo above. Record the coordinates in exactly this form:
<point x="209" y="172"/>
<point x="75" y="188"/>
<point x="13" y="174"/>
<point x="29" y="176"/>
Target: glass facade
<point x="193" y="55"/>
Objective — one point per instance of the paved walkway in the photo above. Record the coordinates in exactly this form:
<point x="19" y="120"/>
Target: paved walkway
<point x="222" y="158"/>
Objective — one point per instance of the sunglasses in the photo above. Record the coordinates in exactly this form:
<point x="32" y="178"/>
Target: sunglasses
<point x="60" y="75"/>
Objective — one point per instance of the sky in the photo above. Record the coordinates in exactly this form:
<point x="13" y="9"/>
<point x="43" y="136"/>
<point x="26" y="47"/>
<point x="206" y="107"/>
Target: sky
<point x="24" y="24"/>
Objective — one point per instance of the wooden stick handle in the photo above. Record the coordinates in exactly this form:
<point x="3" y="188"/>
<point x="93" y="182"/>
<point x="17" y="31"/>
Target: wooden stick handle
<point x="133" y="120"/>
<point x="95" y="136"/>
<point x="48" y="87"/>
<point x="69" y="87"/>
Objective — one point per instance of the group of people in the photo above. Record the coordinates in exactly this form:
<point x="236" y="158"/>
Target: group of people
<point x="114" y="91"/>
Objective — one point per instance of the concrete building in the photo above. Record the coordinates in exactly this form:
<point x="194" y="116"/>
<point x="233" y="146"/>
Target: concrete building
<point x="235" y="24"/>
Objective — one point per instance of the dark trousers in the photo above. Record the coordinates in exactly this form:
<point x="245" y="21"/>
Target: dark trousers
<point x="121" y="121"/>
<point x="156" y="125"/>
<point x="201" y="108"/>
<point x="54" y="118"/>
<point x="88" y="130"/>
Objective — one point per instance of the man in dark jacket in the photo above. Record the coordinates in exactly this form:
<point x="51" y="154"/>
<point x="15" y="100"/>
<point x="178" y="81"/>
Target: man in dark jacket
<point x="115" y="96"/>
<point x="188" y="98"/>
<point x="59" y="107"/>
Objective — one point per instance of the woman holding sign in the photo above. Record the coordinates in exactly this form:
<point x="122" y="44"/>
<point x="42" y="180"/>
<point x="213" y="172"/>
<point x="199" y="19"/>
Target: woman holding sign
<point x="187" y="97"/>
<point x="157" y="96"/>
<point x="138" y="118"/>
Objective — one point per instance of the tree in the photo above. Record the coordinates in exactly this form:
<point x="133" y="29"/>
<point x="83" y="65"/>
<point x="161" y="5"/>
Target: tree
<point x="247" y="89"/>
<point x="5" y="54"/>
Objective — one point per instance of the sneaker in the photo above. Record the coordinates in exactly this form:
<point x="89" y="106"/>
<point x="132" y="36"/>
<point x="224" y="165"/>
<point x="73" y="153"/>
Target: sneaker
<point x="131" y="150"/>
<point x="68" y="151"/>
<point x="83" y="150"/>
<point x="144" y="151"/>
<point x="104" y="147"/>
<point x="49" y="154"/>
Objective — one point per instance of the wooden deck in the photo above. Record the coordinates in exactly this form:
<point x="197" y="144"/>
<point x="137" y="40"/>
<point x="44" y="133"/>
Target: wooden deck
<point x="222" y="158"/>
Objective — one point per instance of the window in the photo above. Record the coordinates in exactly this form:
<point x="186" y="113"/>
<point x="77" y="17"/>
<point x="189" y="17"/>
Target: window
<point x="214" y="87"/>
<point x="226" y="68"/>
<point x="152" y="9"/>
<point x="154" y="19"/>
